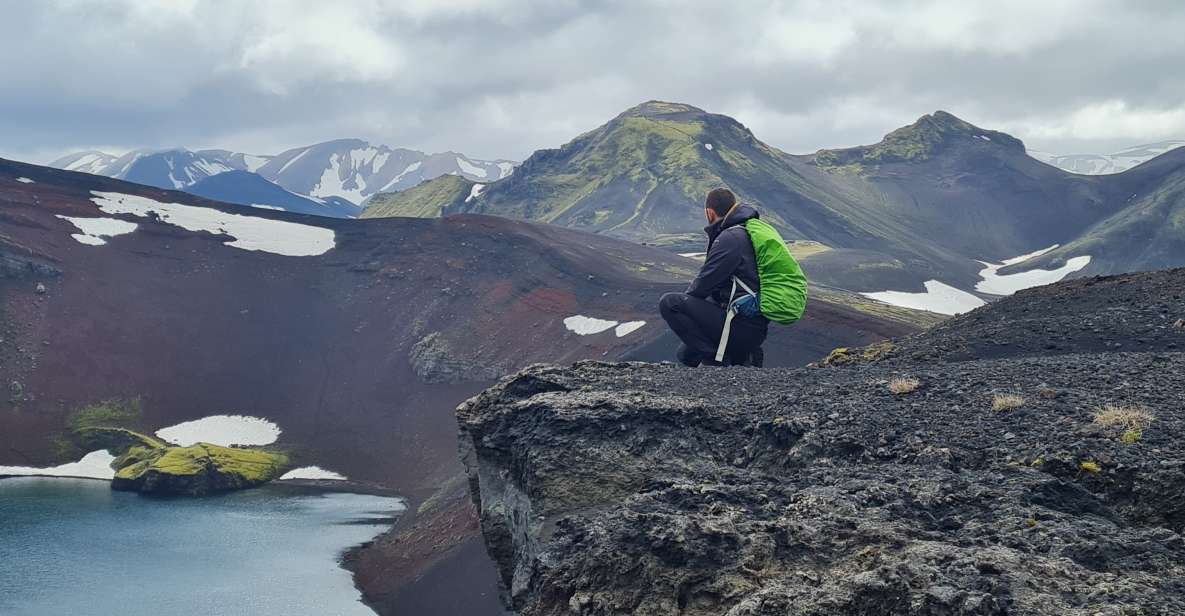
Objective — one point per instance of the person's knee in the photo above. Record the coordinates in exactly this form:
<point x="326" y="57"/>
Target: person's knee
<point x="670" y="302"/>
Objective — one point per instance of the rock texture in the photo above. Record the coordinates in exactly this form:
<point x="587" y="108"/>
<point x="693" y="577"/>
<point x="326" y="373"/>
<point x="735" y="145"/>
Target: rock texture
<point x="648" y="489"/>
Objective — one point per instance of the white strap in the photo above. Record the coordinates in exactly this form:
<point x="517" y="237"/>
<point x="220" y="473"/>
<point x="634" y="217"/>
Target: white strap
<point x="728" y="315"/>
<point x="744" y="286"/>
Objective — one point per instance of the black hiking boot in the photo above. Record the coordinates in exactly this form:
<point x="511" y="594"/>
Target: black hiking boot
<point x="757" y="358"/>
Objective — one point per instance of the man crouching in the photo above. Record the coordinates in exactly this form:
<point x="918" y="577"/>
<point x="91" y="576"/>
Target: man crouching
<point x="698" y="316"/>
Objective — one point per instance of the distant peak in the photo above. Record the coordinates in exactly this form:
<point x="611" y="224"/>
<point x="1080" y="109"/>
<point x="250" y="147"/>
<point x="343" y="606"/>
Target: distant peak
<point x="661" y="108"/>
<point x="930" y="134"/>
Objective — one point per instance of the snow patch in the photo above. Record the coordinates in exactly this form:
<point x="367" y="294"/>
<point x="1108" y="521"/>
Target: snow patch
<point x="586" y="326"/>
<point x="708" y="146"/>
<point x="254" y="162"/>
<point x="938" y="297"/>
<point x="209" y="167"/>
<point x="471" y="169"/>
<point x="94" y="465"/>
<point x="628" y="328"/>
<point x="505" y="169"/>
<point x="312" y="472"/>
<point x="267" y="207"/>
<point x="225" y="430"/>
<point x="250" y="233"/>
<point x="332" y="184"/>
<point x="25" y="181"/>
<point x="89" y="240"/>
<point x="475" y="192"/>
<point x="90" y="163"/>
<point x="1007" y="284"/>
<point x="95" y="229"/>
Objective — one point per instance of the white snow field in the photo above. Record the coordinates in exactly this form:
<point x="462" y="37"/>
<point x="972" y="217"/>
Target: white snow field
<point x="938" y="297"/>
<point x="627" y="328"/>
<point x="95" y="229"/>
<point x="250" y="233"/>
<point x="312" y="472"/>
<point x="94" y="465"/>
<point x="1007" y="284"/>
<point x="944" y="299"/>
<point x="468" y="167"/>
<point x="475" y="192"/>
<point x="586" y="326"/>
<point x="225" y="430"/>
<point x="25" y="181"/>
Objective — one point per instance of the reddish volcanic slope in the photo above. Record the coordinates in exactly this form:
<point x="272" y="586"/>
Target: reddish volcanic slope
<point x="324" y="345"/>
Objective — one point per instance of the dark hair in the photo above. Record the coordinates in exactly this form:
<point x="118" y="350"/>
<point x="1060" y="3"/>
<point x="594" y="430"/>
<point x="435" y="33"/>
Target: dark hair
<point x="720" y="200"/>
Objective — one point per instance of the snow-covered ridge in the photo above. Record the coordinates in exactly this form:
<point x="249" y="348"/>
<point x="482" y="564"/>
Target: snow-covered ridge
<point x="248" y="232"/>
<point x="1101" y="164"/>
<point x="348" y="169"/>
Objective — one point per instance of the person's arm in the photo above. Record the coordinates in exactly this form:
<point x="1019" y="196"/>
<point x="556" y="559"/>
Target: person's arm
<point x="721" y="261"/>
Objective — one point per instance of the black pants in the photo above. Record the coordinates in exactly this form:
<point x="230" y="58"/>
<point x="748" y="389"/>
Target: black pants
<point x="699" y="323"/>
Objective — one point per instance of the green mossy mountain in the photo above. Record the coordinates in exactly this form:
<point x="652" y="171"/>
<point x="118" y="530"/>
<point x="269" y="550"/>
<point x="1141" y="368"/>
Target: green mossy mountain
<point x="643" y="175"/>
<point x="927" y="137"/>
<point x="929" y="201"/>
<point x="425" y="200"/>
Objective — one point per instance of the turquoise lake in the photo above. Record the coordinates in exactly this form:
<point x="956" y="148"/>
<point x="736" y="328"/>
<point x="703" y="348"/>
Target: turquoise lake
<point x="74" y="547"/>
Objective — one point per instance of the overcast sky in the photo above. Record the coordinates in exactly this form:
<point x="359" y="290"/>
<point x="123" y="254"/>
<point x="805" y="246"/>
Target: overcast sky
<point x="501" y="78"/>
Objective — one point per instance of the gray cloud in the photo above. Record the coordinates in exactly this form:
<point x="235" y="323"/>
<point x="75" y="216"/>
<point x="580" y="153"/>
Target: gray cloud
<point x="500" y="78"/>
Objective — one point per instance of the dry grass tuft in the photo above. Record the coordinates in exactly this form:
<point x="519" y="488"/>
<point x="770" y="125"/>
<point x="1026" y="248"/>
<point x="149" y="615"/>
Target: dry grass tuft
<point x="1007" y="402"/>
<point x="901" y="386"/>
<point x="1133" y="418"/>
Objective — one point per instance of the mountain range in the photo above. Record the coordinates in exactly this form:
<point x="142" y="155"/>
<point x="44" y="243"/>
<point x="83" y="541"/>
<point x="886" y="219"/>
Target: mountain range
<point x="1097" y="164"/>
<point x="936" y="215"/>
<point x="337" y="173"/>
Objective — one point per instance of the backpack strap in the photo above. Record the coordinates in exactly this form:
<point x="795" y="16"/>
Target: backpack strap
<point x="744" y="286"/>
<point x="729" y="313"/>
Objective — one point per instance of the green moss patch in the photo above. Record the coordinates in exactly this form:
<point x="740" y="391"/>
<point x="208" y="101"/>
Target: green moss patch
<point x="195" y="470"/>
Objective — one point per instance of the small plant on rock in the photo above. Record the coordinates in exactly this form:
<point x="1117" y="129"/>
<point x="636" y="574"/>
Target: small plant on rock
<point x="901" y="386"/>
<point x="1007" y="402"/>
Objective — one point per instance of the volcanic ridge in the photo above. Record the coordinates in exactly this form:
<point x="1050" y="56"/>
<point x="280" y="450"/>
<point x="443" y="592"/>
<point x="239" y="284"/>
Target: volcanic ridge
<point x="1025" y="458"/>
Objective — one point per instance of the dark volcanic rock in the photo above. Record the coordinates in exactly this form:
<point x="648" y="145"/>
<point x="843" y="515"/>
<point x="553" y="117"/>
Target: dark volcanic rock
<point x="649" y="489"/>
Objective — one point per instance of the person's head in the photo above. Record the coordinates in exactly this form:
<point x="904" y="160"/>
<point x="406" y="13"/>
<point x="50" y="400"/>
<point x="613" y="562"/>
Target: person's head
<point x="718" y="203"/>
